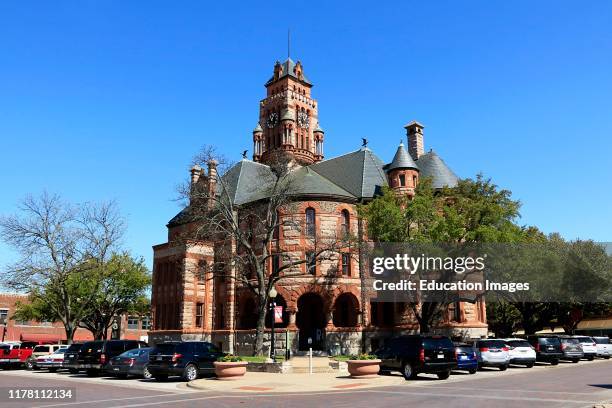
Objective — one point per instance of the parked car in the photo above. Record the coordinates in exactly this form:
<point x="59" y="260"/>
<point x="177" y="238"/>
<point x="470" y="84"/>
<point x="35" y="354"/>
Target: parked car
<point x="186" y="359"/>
<point x="15" y="354"/>
<point x="492" y="353"/>
<point x="604" y="348"/>
<point x="38" y="351"/>
<point x="521" y="352"/>
<point x="95" y="355"/>
<point x="572" y="349"/>
<point x="131" y="362"/>
<point x="71" y="358"/>
<point x="466" y="358"/>
<point x="547" y="347"/>
<point x="411" y="355"/>
<point x="589" y="347"/>
<point x="53" y="361"/>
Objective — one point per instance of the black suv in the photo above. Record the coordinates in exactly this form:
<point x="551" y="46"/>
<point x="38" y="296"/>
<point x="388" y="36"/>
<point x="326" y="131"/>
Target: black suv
<point x="416" y="354"/>
<point x="95" y="355"/>
<point x="186" y="359"/>
<point x="547" y="347"/>
<point x="71" y="358"/>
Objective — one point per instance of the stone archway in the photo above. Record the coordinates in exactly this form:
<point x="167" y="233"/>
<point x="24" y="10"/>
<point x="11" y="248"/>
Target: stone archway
<point x="346" y="310"/>
<point x="311" y="321"/>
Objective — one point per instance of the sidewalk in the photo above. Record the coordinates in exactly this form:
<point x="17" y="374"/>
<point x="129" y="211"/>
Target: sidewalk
<point x="273" y="383"/>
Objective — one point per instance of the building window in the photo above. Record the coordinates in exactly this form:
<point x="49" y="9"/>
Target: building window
<point x="146" y="323"/>
<point x="4" y="316"/>
<point x="454" y="312"/>
<point x="276" y="263"/>
<point x="414" y="181"/>
<point x="346" y="264"/>
<point x="346" y="222"/>
<point x="132" y="323"/>
<point x="310" y="222"/>
<point x="202" y="267"/>
<point x="311" y="262"/>
<point x="199" y="314"/>
<point x="402" y="180"/>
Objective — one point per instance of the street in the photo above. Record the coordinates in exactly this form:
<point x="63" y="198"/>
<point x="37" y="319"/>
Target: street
<point x="567" y="385"/>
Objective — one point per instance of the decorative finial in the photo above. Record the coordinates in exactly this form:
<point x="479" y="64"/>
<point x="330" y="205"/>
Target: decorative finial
<point x="244" y="154"/>
<point x="364" y="142"/>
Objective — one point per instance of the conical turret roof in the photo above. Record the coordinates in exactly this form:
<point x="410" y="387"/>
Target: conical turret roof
<point x="401" y="160"/>
<point x="432" y="165"/>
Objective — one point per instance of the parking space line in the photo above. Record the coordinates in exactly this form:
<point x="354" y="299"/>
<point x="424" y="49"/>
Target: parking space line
<point x="459" y="387"/>
<point x="107" y="400"/>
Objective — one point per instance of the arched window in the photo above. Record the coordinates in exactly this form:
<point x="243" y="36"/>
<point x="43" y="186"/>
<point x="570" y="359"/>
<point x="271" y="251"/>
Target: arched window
<point x="310" y="222"/>
<point x="345" y="227"/>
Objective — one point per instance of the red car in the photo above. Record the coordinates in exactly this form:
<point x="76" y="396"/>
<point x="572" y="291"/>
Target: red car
<point x="15" y="354"/>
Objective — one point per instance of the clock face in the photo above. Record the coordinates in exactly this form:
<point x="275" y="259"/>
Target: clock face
<point x="272" y="120"/>
<point x="303" y="120"/>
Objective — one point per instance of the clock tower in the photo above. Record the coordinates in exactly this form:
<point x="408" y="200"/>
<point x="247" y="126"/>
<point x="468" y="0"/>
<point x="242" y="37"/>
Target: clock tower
<point x="288" y="119"/>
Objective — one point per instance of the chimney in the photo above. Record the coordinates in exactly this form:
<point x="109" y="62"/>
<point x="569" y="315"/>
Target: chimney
<point x="414" y="132"/>
<point x="212" y="170"/>
<point x="196" y="172"/>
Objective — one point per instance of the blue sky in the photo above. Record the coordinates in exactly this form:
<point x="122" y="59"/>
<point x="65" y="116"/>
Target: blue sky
<point x="110" y="99"/>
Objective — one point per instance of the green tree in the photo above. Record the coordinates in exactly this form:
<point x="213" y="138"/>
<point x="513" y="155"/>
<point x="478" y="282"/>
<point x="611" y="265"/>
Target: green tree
<point x="119" y="286"/>
<point x="473" y="211"/>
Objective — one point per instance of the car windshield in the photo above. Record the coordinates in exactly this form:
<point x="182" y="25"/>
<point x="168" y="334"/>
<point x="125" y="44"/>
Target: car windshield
<point x="430" y="343"/>
<point x="584" y="339"/>
<point x="74" y="347"/>
<point x="93" y="346"/>
<point x="492" y="343"/>
<point x="133" y="353"/>
<point x="550" y="340"/>
<point x="167" y="347"/>
<point x="519" y="343"/>
<point x="602" y="340"/>
<point x="570" y="341"/>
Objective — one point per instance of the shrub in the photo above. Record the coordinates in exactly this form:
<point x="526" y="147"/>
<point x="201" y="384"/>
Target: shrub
<point x="229" y="358"/>
<point x="363" y="356"/>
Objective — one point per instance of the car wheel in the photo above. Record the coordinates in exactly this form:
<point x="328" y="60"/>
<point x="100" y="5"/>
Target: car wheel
<point x="444" y="375"/>
<point x="52" y="369"/>
<point x="529" y="365"/>
<point x="607" y="357"/>
<point x="73" y="370"/>
<point x="146" y="374"/>
<point x="161" y="377"/>
<point x="122" y="376"/>
<point x="591" y="358"/>
<point x="29" y="364"/>
<point x="408" y="371"/>
<point x="190" y="373"/>
<point x="472" y="371"/>
<point x="92" y="372"/>
<point x="575" y="360"/>
<point x="503" y="368"/>
<point x="554" y="362"/>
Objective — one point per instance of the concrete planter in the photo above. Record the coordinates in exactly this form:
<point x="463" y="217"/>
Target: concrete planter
<point x="228" y="370"/>
<point x="363" y="368"/>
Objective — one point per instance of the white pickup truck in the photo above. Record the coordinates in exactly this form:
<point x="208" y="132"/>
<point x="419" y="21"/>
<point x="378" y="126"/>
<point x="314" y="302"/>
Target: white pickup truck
<point x="604" y="348"/>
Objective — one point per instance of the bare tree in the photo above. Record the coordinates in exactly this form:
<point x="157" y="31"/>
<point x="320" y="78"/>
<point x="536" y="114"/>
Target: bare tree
<point x="60" y="245"/>
<point x="245" y="236"/>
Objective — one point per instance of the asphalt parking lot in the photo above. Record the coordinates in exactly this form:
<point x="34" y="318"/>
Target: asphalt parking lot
<point x="567" y="385"/>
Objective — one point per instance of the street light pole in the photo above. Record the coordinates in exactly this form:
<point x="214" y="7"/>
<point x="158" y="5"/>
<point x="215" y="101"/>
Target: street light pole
<point x="4" y="323"/>
<point x="272" y="294"/>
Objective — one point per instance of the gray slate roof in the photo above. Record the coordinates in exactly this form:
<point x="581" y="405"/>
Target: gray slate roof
<point x="431" y="165"/>
<point x="401" y="160"/>
<point x="288" y="66"/>
<point x="359" y="172"/>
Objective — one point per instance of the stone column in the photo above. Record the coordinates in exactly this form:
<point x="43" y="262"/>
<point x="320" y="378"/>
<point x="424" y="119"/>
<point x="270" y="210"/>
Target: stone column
<point x="292" y="318"/>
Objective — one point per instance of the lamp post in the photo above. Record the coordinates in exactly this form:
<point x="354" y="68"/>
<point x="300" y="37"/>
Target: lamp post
<point x="272" y="295"/>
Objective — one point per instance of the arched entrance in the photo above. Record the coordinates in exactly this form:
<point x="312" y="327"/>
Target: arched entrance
<point x="311" y="321"/>
<point x="346" y="310"/>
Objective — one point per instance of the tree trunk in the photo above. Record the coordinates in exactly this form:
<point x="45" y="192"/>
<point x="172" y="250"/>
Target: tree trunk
<point x="260" y="329"/>
<point x="69" y="329"/>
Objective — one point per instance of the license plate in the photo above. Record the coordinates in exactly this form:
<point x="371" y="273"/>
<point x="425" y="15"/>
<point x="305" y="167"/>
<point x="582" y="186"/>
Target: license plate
<point x="440" y="355"/>
<point x="159" y="358"/>
<point x="550" y="348"/>
<point x="463" y="357"/>
<point x="523" y="351"/>
<point x="116" y="368"/>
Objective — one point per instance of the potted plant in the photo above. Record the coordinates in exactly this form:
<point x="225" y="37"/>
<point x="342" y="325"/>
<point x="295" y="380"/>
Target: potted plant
<point x="363" y="365"/>
<point x="230" y="367"/>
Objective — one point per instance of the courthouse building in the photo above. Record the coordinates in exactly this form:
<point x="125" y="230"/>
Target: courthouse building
<point x="323" y="302"/>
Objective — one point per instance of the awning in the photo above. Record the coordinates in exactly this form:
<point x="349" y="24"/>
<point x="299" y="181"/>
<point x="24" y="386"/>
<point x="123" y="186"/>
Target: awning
<point x="595" y="324"/>
<point x="41" y="338"/>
